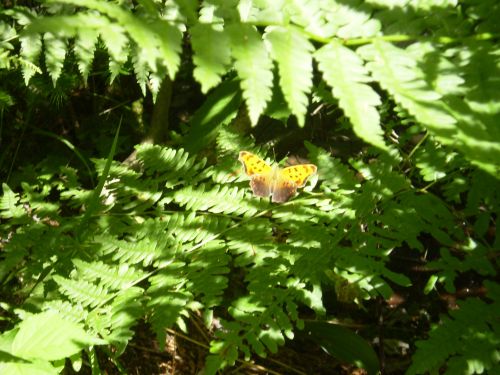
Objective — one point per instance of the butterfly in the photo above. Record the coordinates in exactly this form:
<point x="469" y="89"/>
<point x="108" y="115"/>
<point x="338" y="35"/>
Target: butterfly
<point x="279" y="183"/>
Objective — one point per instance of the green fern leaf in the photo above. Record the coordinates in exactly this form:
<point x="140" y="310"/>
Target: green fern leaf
<point x="343" y="70"/>
<point x="207" y="272"/>
<point x="82" y="292"/>
<point x="168" y="298"/>
<point x="211" y="54"/>
<point x="140" y="69"/>
<point x="124" y="312"/>
<point x="310" y="15"/>
<point x="113" y="277"/>
<point x="169" y="40"/>
<point x="354" y="21"/>
<point x="31" y="46"/>
<point x="397" y="72"/>
<point x="10" y="206"/>
<point x="254" y="67"/>
<point x="144" y="250"/>
<point x="187" y="227"/>
<point x="292" y="51"/>
<point x="225" y="199"/>
<point x="55" y="53"/>
<point x="85" y="46"/>
<point x="159" y="41"/>
<point x="115" y="40"/>
<point x="467" y="342"/>
<point x="69" y="311"/>
<point x="173" y="166"/>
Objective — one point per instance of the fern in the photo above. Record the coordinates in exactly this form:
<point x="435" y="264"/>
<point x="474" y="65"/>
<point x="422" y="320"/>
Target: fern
<point x="253" y="64"/>
<point x="212" y="54"/>
<point x="181" y="234"/>
<point x="467" y="341"/>
<point x="217" y="200"/>
<point x="10" y="206"/>
<point x="343" y="70"/>
<point x="292" y="51"/>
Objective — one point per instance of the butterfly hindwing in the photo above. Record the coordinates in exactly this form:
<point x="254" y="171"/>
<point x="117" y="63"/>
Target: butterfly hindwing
<point x="283" y="189"/>
<point x="261" y="185"/>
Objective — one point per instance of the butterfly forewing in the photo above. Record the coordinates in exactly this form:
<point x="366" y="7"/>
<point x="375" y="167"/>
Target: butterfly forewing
<point x="299" y="173"/>
<point x="253" y="164"/>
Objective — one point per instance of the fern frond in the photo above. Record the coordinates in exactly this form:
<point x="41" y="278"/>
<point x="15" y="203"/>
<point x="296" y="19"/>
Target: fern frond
<point x="211" y="54"/>
<point x="112" y="277"/>
<point x="116" y="41"/>
<point x="160" y="42"/>
<point x="73" y="312"/>
<point x="172" y="166"/>
<point x="85" y="46"/>
<point x="144" y="250"/>
<point x="466" y="342"/>
<point x="310" y="15"/>
<point x="55" y="53"/>
<point x="206" y="273"/>
<point x="252" y="243"/>
<point x="292" y="51"/>
<point x="31" y="46"/>
<point x="168" y="299"/>
<point x="188" y="227"/>
<point x="82" y="292"/>
<point x="353" y="21"/>
<point x="10" y="206"/>
<point x="228" y="200"/>
<point x="254" y="67"/>
<point x="397" y="72"/>
<point x="122" y="315"/>
<point x="343" y="70"/>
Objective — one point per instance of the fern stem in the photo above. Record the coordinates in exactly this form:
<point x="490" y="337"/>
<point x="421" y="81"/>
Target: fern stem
<point x="246" y="363"/>
<point x="419" y="143"/>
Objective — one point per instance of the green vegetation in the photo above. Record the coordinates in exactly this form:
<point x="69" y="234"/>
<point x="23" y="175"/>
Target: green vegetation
<point x="123" y="204"/>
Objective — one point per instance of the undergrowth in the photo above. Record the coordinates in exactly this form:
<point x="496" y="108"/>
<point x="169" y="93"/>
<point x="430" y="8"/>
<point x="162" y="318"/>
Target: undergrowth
<point x="174" y="232"/>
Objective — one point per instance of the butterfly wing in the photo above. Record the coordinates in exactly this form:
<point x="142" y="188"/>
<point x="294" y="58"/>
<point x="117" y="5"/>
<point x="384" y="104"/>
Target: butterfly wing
<point x="284" y="188"/>
<point x="259" y="171"/>
<point x="253" y="164"/>
<point x="299" y="173"/>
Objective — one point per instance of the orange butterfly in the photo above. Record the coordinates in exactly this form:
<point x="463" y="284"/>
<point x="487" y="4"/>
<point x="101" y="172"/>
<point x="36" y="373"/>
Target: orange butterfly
<point x="279" y="183"/>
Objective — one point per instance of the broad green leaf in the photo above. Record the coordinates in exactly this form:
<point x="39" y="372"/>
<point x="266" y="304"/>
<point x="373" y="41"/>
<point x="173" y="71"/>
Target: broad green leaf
<point x="343" y="344"/>
<point x="292" y="51"/>
<point x="218" y="110"/>
<point x="344" y="71"/>
<point x="48" y="336"/>
<point x="254" y="67"/>
<point x="211" y="54"/>
<point x="36" y="367"/>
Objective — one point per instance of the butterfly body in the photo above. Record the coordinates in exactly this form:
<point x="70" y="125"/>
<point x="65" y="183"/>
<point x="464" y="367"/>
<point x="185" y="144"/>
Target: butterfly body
<point x="279" y="183"/>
